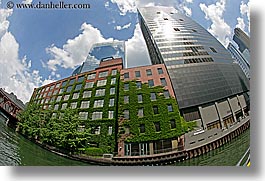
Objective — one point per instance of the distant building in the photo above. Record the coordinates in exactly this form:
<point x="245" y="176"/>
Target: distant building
<point x="242" y="39"/>
<point x="100" y="51"/>
<point x="239" y="59"/>
<point x="242" y="54"/>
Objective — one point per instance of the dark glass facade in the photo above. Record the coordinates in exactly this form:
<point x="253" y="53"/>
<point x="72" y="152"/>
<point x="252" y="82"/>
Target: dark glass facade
<point x="200" y="68"/>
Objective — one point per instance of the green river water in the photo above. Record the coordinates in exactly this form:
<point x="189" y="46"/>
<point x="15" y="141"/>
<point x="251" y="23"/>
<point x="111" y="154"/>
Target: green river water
<point x="16" y="150"/>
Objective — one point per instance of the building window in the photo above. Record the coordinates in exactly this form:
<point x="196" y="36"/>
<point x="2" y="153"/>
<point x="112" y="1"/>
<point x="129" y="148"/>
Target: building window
<point x="142" y="128"/>
<point x="126" y="99"/>
<point x="64" y="105"/>
<point x="153" y="96"/>
<point x="96" y="115"/>
<point x="172" y="124"/>
<point x="160" y="70"/>
<point x="83" y="115"/>
<point x="89" y="85"/>
<point x="76" y="95"/>
<point x="169" y="108"/>
<point x="49" y="94"/>
<point x="96" y="130"/>
<point x="111" y="115"/>
<point x="110" y="130"/>
<point x="78" y="87"/>
<point x="98" y="103"/>
<point x="112" y="91"/>
<point x="114" y="72"/>
<point x="61" y="90"/>
<point x="126" y="86"/>
<point x="66" y="97"/>
<point x="163" y="81"/>
<point x="54" y="115"/>
<point x="111" y="102"/>
<point x="59" y="98"/>
<point x="58" y="85"/>
<point x="213" y="49"/>
<point x="100" y="92"/>
<point x="140" y="112"/>
<point x="56" y="106"/>
<point x="148" y="72"/>
<point x="126" y="114"/>
<point x="151" y="83"/>
<point x="113" y="81"/>
<point x="157" y="126"/>
<point x="91" y="76"/>
<point x="166" y="94"/>
<point x="137" y="74"/>
<point x="72" y="81"/>
<point x="64" y="83"/>
<point x="138" y="85"/>
<point x="102" y="83"/>
<point x="155" y="109"/>
<point x="87" y="94"/>
<point x="126" y="75"/>
<point x="81" y="79"/>
<point x="140" y="98"/>
<point x="73" y="105"/>
<point x="85" y="104"/>
<point x="69" y="89"/>
<point x="103" y="74"/>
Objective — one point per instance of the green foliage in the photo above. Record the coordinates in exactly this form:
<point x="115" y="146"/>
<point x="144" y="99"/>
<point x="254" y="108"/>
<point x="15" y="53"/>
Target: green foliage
<point x="149" y="118"/>
<point x="94" y="151"/>
<point x="62" y="133"/>
<point x="58" y="136"/>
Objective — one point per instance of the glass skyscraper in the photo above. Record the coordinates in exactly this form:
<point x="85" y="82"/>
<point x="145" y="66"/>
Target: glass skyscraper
<point x="240" y="59"/>
<point x="100" y="52"/>
<point x="201" y="69"/>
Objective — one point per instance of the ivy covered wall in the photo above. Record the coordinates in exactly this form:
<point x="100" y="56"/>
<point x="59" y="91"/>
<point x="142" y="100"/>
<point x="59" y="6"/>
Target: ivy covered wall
<point x="149" y="118"/>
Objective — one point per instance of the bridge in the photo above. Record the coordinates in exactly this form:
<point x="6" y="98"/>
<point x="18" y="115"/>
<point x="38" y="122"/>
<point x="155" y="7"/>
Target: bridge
<point x="10" y="106"/>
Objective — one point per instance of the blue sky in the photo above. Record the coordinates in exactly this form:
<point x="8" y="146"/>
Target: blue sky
<point x="40" y="46"/>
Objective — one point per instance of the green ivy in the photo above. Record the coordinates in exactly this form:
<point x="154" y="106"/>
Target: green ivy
<point x="149" y="117"/>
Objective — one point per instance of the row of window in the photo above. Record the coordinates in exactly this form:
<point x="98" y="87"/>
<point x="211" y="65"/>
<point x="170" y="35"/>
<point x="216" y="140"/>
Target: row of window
<point x="150" y="84"/>
<point x="126" y="112"/>
<point x="95" y="115"/>
<point x="137" y="74"/>
<point x="86" y="94"/>
<point x="78" y="86"/>
<point x="85" y="104"/>
<point x="140" y="97"/>
<point x="156" y="126"/>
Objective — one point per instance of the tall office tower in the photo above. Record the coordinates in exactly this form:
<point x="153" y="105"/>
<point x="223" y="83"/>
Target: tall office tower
<point x="243" y="42"/>
<point x="205" y="81"/>
<point x="102" y="51"/>
<point x="240" y="59"/>
<point x="242" y="39"/>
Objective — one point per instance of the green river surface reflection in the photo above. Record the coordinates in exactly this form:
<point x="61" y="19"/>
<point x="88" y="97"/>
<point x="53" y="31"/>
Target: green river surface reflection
<point x="15" y="150"/>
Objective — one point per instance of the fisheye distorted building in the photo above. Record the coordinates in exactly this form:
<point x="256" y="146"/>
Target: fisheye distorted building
<point x="147" y="110"/>
<point x="208" y="87"/>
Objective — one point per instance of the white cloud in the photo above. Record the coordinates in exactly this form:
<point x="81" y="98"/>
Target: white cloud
<point x="15" y="73"/>
<point x="107" y="4"/>
<point x="136" y="50"/>
<point x="27" y="1"/>
<point x="75" y="51"/>
<point x="244" y="10"/>
<point x="240" y="23"/>
<point x="126" y="6"/>
<point x="123" y="27"/>
<point x="132" y="5"/>
<point x="219" y="28"/>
